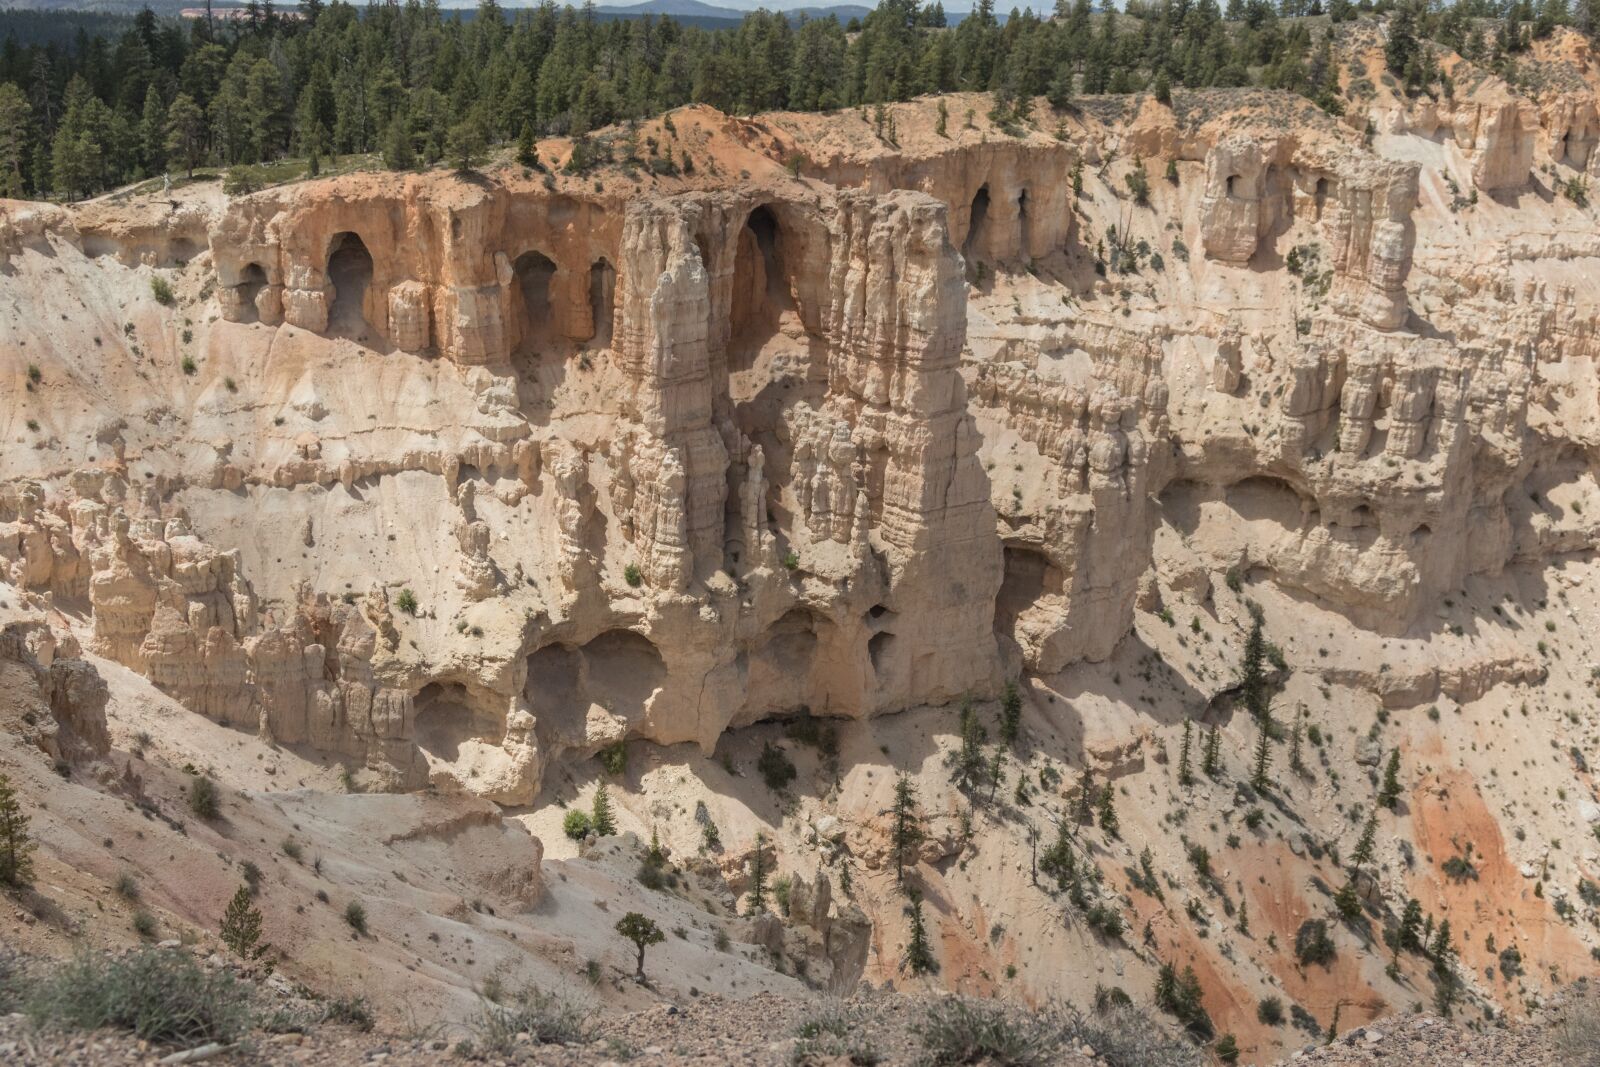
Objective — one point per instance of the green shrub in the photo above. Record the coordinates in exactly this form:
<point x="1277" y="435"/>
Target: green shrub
<point x="546" y="1018"/>
<point x="1179" y="996"/>
<point x="351" y="1011"/>
<point x="189" y="366"/>
<point x="632" y="575"/>
<point x="242" y="180"/>
<point x="159" y="995"/>
<point x="406" y="602"/>
<point x="203" y="797"/>
<point x="1312" y="943"/>
<point x="614" y="758"/>
<point x="776" y="769"/>
<point x="1124" y="1036"/>
<point x="355" y="914"/>
<point x="1270" y="1011"/>
<point x="162" y="291"/>
<point x="144" y="924"/>
<point x="577" y="824"/>
<point x="960" y="1030"/>
<point x="833" y="1036"/>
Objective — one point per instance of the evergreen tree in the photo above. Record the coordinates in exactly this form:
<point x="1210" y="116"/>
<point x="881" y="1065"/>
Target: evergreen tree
<point x="642" y="931"/>
<point x="1185" y="772"/>
<point x="1108" y="811"/>
<point x="601" y="819"/>
<point x="153" y="132"/>
<point x="1086" y="796"/>
<point x="527" y="149"/>
<point x="1244" y="918"/>
<point x="1296" y="764"/>
<point x="757" y="901"/>
<point x="15" y="123"/>
<point x="919" y="957"/>
<point x="1211" y="756"/>
<point x="907" y="833"/>
<point x="16" y="845"/>
<point x="241" y="927"/>
<point x="1409" y="936"/>
<point x="398" y="151"/>
<point x="1348" y="901"/>
<point x="467" y="143"/>
<point x="1263" y="761"/>
<point x="1389" y="795"/>
<point x="1010" y="713"/>
<point x="1366" y="845"/>
<point x="185" y="133"/>
<point x="969" y="761"/>
<point x="1252" y="673"/>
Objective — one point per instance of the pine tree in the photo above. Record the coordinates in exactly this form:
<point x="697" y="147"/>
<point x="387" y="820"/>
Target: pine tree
<point x="1409" y="936"/>
<point x="1058" y="862"/>
<point x="1108" y="811"/>
<point x="907" y="833"/>
<point x="1442" y="950"/>
<point x="1367" y="844"/>
<point x="1348" y="901"/>
<point x="642" y="931"/>
<point x="1010" y="713"/>
<point x="153" y="132"/>
<point x="919" y="954"/>
<point x="1185" y="772"/>
<point x="1295" y="762"/>
<point x="996" y="771"/>
<point x="969" y="761"/>
<point x="601" y="818"/>
<point x="1389" y="795"/>
<point x="185" y="132"/>
<point x="1086" y="795"/>
<point x="944" y="119"/>
<point x="16" y="119"/>
<point x="398" y="152"/>
<point x="1258" y="778"/>
<point x="757" y="902"/>
<point x="1211" y="756"/>
<point x="1244" y="918"/>
<point x="241" y="927"/>
<point x="1252" y="672"/>
<point x="16" y="845"/>
<point x="527" y="147"/>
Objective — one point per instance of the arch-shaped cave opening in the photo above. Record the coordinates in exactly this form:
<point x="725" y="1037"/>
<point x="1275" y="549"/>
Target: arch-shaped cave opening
<point x="1234" y="184"/>
<point x="623" y="670"/>
<point x="252" y="280"/>
<point x="180" y="251"/>
<point x="760" y="282"/>
<point x="1320" y="196"/>
<point x="1265" y="498"/>
<point x="602" y="299"/>
<point x="350" y="273"/>
<point x="1023" y="223"/>
<point x="879" y="647"/>
<point x="446" y="718"/>
<point x="532" y="273"/>
<point x="1029" y="577"/>
<point x="618" y="671"/>
<point x="795" y="664"/>
<point x="977" y="223"/>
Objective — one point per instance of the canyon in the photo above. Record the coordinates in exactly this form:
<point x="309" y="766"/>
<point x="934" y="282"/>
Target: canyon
<point x="411" y="506"/>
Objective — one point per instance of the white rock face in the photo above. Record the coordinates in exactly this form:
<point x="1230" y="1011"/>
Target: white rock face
<point x="472" y="476"/>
